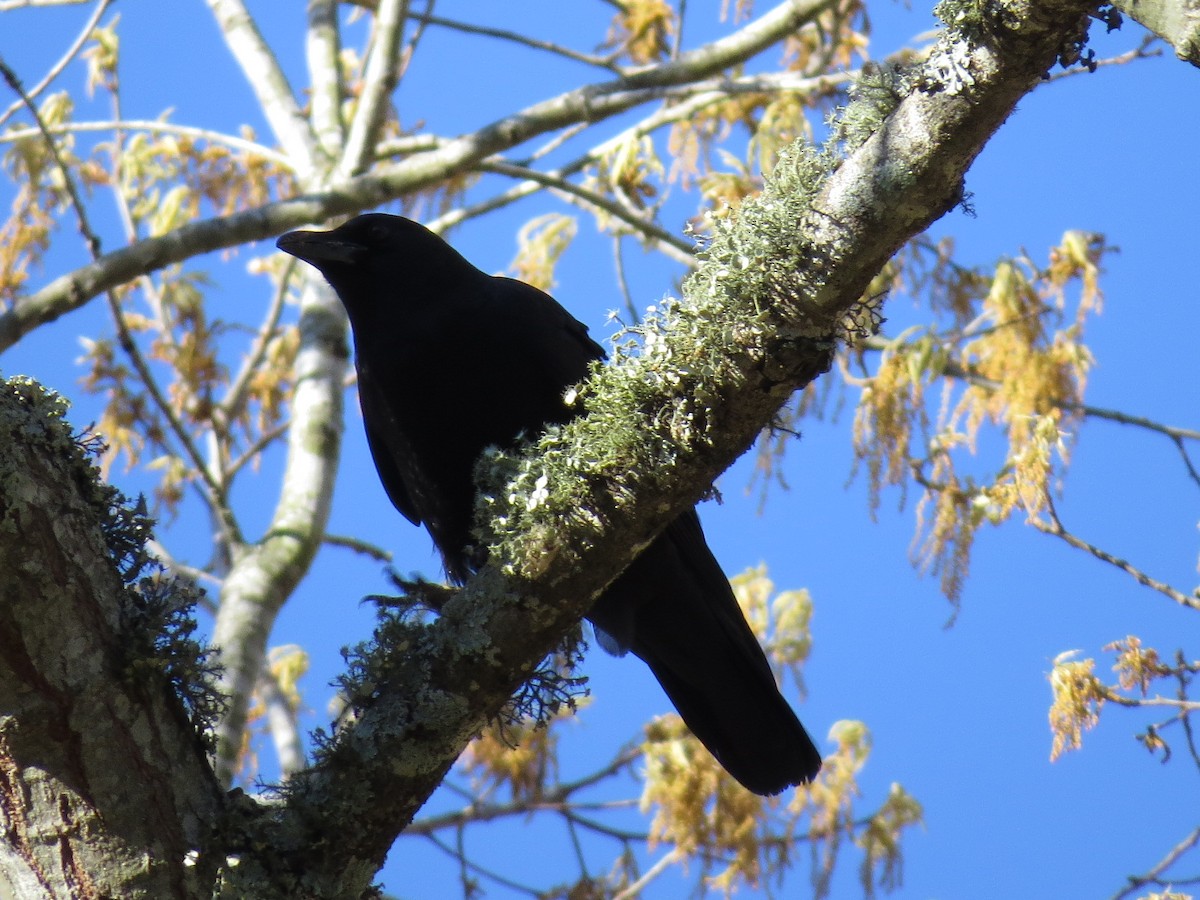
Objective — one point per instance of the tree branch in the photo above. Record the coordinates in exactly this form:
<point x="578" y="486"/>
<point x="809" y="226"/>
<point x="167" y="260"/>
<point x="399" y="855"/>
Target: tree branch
<point x="322" y="48"/>
<point x="590" y="103"/>
<point x="265" y="573"/>
<point x="8" y="5"/>
<point x="270" y="85"/>
<point x="1176" y="21"/>
<point x="56" y="69"/>
<point x="1154" y="876"/>
<point x="793" y="263"/>
<point x="379" y="80"/>
<point x="190" y="131"/>
<point x="674" y="246"/>
<point x="603" y="62"/>
<point x="1055" y="527"/>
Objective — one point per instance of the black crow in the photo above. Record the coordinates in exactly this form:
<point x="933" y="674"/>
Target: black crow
<point x="451" y="361"/>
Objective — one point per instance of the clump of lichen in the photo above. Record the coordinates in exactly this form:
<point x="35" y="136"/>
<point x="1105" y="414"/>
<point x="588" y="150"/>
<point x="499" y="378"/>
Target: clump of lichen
<point x="156" y="615"/>
<point x="658" y="403"/>
<point x="371" y="664"/>
<point x="157" y="611"/>
<point x="874" y="96"/>
<point x="159" y="626"/>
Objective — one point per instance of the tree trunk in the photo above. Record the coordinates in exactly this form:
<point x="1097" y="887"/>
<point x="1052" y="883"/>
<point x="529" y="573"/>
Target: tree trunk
<point x="104" y="786"/>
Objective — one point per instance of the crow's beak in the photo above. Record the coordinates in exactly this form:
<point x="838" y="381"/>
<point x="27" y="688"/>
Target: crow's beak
<point x="318" y="247"/>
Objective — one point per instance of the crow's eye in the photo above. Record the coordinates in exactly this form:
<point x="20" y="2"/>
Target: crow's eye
<point x="378" y="233"/>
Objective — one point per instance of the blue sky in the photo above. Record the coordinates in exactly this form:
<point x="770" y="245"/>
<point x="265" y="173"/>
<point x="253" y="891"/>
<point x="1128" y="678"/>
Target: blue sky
<point x="958" y="714"/>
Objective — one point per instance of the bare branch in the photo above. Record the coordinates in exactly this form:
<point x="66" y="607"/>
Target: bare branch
<point x="661" y="865"/>
<point x="270" y="85"/>
<point x="674" y="246"/>
<point x="556" y="799"/>
<point x="254" y="451"/>
<point x="7" y="5"/>
<point x="358" y="546"/>
<point x="56" y="69"/>
<point x="603" y="62"/>
<point x="322" y="49"/>
<point x="1154" y="876"/>
<point x="1115" y="415"/>
<point x="379" y="80"/>
<point x="235" y="398"/>
<point x="1141" y="51"/>
<point x="282" y="724"/>
<point x="467" y="865"/>
<point x="1182" y="706"/>
<point x="1055" y="527"/>
<point x="189" y="131"/>
<point x="623" y="282"/>
<point x="264" y="574"/>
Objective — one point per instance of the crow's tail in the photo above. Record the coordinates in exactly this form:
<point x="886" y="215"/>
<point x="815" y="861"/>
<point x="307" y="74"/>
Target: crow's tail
<point x="674" y="608"/>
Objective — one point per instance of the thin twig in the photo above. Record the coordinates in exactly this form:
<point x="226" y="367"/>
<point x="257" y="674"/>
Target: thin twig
<point x="622" y="281"/>
<point x="1141" y="51"/>
<point x="557" y="799"/>
<point x="667" y="241"/>
<point x="189" y="131"/>
<point x="358" y="546"/>
<point x="235" y="398"/>
<point x="1115" y="415"/>
<point x="619" y="834"/>
<point x="1187" y="460"/>
<point x="260" y="444"/>
<point x="553" y="144"/>
<point x="1136" y="882"/>
<point x="1171" y="702"/>
<point x="633" y="890"/>
<point x="679" y="18"/>
<point x="460" y="851"/>
<point x="486" y="873"/>
<point x="1055" y="527"/>
<point x="410" y="47"/>
<point x="56" y="69"/>
<point x="1184" y="672"/>
<point x="603" y="62"/>
<point x="577" y="846"/>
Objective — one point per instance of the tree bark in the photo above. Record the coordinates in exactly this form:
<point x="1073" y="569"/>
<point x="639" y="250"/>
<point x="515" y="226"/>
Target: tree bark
<point x="104" y="788"/>
<point x="1175" y="21"/>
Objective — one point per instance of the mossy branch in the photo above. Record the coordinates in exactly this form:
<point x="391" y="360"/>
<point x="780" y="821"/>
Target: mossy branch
<point x="761" y="318"/>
